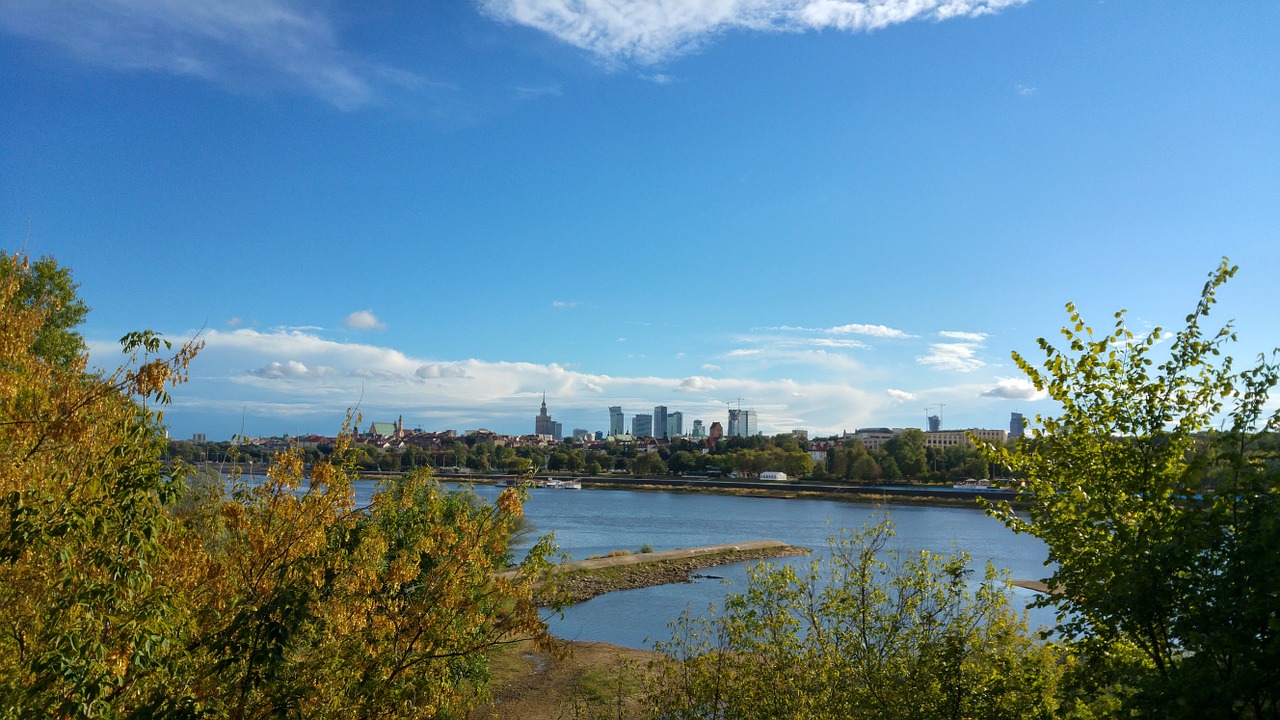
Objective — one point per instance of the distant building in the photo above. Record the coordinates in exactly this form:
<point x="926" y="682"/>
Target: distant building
<point x="581" y="434"/>
<point x="198" y="438"/>
<point x="675" y="424"/>
<point x="800" y="434"/>
<point x="616" y="423"/>
<point x="742" y="423"/>
<point x="715" y="433"/>
<point x="935" y="423"/>
<point x="698" y="429"/>
<point x="734" y="422"/>
<point x="557" y="430"/>
<point x="543" y="424"/>
<point x="642" y="425"/>
<point x="1015" y="425"/>
<point x="949" y="438"/>
<point x="660" y="421"/>
<point x="873" y="439"/>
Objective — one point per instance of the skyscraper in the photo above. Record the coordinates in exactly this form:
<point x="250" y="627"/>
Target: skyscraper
<point x="616" y="422"/>
<point x="732" y="430"/>
<point x="935" y="423"/>
<point x="1015" y="425"/>
<point x="747" y="423"/>
<point x="660" y="421"/>
<point x="642" y="425"/>
<point x="543" y="424"/>
<point x="675" y="424"/>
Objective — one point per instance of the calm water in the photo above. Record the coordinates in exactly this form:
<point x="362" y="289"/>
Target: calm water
<point x="594" y="522"/>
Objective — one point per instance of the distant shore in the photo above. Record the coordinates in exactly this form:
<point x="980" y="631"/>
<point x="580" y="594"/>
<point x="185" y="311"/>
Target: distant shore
<point x="933" y="495"/>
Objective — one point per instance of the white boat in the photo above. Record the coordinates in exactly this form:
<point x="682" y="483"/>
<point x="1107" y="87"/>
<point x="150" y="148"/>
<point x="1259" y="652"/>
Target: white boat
<point x="971" y="484"/>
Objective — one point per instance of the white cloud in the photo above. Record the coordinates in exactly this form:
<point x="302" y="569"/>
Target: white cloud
<point x="563" y="304"/>
<point x="900" y="395"/>
<point x="364" y="320"/>
<point x="236" y="43"/>
<point x="829" y="342"/>
<point x="883" y="331"/>
<point x="1015" y="389"/>
<point x="648" y="31"/>
<point x="288" y="380"/>
<point x="958" y="357"/>
<point x="973" y="337"/>
<point x="432" y="371"/>
<point x="711" y="367"/>
<point x="1027" y="90"/>
<point x="233" y="322"/>
<point x="292" y="370"/>
<point x="697" y="383"/>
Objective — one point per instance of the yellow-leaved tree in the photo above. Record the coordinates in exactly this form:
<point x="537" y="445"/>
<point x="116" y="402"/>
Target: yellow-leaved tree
<point x="279" y="598"/>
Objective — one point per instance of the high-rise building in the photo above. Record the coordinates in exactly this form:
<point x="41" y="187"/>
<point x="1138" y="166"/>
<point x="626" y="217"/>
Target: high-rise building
<point x="698" y="429"/>
<point x="642" y="425"/>
<point x="557" y="430"/>
<point x="732" y="430"/>
<point x="675" y="424"/>
<point x="1015" y="425"/>
<point x="616" y="422"/>
<point x="935" y="423"/>
<point x="747" y="423"/>
<point x="660" y="421"/>
<point x="543" y="424"/>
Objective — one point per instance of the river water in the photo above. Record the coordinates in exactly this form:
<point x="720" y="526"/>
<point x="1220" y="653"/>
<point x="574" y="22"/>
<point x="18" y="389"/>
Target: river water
<point x="595" y="522"/>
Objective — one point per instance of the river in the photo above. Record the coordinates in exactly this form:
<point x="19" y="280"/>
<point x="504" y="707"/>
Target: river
<point x="595" y="522"/>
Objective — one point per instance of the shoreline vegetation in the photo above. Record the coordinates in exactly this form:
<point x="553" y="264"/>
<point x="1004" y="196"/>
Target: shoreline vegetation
<point x="577" y="581"/>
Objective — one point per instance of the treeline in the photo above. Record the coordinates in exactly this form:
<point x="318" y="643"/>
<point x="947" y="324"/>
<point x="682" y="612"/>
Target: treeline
<point x="902" y="459"/>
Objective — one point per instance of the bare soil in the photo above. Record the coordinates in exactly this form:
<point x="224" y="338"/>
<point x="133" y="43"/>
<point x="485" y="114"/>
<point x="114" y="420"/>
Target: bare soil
<point x="593" y="681"/>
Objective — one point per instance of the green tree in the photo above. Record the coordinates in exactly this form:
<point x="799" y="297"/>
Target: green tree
<point x="88" y="622"/>
<point x="798" y="464"/>
<point x="907" y="450"/>
<point x="46" y="288"/>
<point x="870" y="632"/>
<point x="1155" y="489"/>
<point x="648" y="464"/>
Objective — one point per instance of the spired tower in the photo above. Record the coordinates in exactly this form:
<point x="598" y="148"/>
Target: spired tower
<point x="543" y="424"/>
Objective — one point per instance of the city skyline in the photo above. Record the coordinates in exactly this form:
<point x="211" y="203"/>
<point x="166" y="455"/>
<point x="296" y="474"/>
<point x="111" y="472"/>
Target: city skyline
<point x="841" y="213"/>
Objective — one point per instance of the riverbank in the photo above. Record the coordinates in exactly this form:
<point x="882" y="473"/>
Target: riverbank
<point x="921" y="495"/>
<point x="581" y="580"/>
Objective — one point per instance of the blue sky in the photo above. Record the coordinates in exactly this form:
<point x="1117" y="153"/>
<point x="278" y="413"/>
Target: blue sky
<point x="836" y="213"/>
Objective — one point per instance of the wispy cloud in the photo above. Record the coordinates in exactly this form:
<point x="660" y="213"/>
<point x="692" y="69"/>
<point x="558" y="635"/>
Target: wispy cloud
<point x="955" y="356"/>
<point x="237" y="43"/>
<point x="883" y="331"/>
<point x="900" y="395"/>
<point x="974" y="337"/>
<point x="364" y="320"/>
<point x="564" y="304"/>
<point x="648" y="31"/>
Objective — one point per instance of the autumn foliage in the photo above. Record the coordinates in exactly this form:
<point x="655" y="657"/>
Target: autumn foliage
<point x="129" y="591"/>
